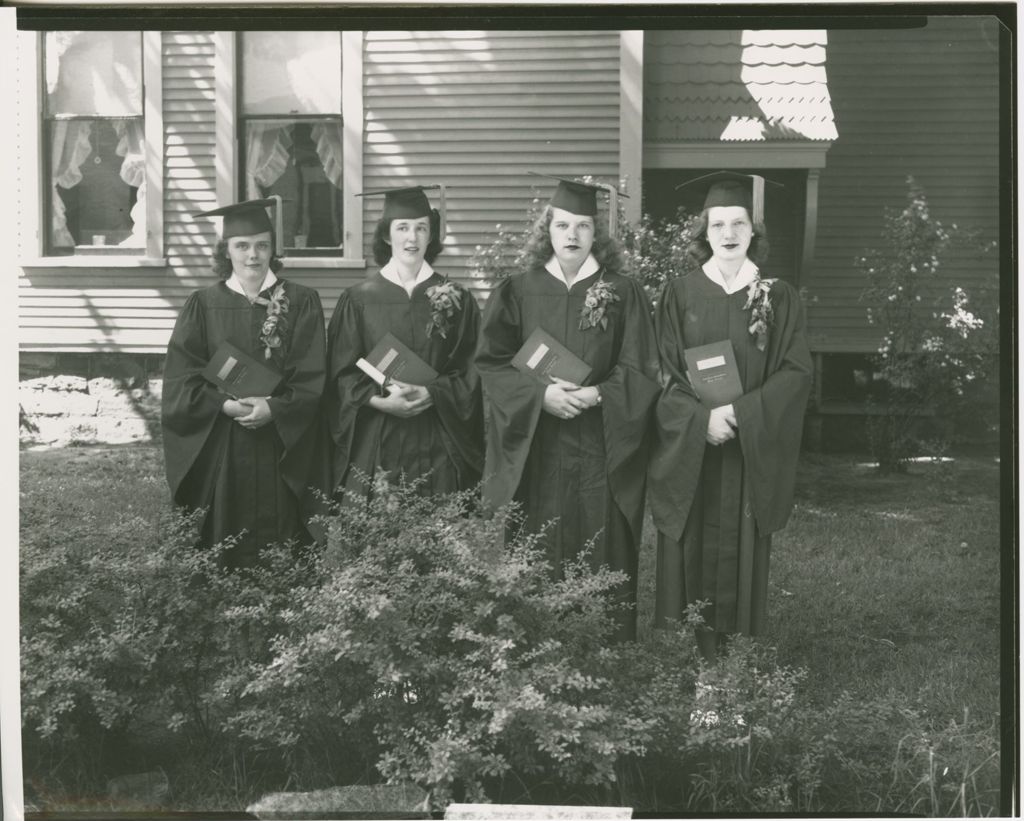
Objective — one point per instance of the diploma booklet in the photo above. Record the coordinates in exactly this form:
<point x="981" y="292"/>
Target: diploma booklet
<point x="713" y="373"/>
<point x="239" y="374"/>
<point x="392" y="359"/>
<point x="544" y="356"/>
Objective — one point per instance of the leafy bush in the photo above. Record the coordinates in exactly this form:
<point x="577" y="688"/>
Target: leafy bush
<point x="933" y="351"/>
<point x="131" y="636"/>
<point x="418" y="647"/>
<point x="461" y="655"/>
<point x="656" y="249"/>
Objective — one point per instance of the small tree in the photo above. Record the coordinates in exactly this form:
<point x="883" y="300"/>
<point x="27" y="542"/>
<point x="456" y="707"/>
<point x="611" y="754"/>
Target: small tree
<point x="932" y="349"/>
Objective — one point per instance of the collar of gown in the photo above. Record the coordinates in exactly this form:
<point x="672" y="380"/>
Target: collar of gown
<point x="588" y="269"/>
<point x="235" y="284"/>
<point x="390" y="273"/>
<point x="747" y="273"/>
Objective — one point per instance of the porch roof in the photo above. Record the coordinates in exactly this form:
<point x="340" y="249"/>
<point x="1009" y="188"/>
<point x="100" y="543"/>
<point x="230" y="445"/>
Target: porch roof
<point x="736" y="86"/>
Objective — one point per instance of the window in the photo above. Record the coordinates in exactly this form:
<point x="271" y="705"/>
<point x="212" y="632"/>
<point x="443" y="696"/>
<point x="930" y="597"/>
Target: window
<point x="93" y="139"/>
<point x="291" y="133"/>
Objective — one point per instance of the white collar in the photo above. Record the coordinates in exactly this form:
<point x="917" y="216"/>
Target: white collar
<point x="390" y="273"/>
<point x="744" y="276"/>
<point x="235" y="284"/>
<point x="589" y="267"/>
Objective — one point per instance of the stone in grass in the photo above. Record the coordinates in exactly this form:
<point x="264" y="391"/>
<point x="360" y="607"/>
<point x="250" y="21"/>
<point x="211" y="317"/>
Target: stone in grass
<point x="357" y="801"/>
<point x="532" y="812"/>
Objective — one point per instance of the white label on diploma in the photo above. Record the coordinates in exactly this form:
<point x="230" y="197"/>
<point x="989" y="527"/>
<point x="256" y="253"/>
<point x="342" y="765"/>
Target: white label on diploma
<point x="229" y="364"/>
<point x="710" y="362"/>
<point x="387" y="359"/>
<point x="371" y="371"/>
<point x="538" y="355"/>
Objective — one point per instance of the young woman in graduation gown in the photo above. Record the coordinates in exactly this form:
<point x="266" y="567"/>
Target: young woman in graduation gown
<point x="572" y="455"/>
<point x="721" y="478"/>
<point x="250" y="461"/>
<point x="431" y="434"/>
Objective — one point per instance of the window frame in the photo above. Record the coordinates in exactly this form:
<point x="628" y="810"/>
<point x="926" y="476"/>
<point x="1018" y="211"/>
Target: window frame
<point x="229" y="118"/>
<point x="34" y="165"/>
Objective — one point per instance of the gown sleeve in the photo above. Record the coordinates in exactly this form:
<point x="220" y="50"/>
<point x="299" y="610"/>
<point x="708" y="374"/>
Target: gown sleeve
<point x="681" y="423"/>
<point x="189" y="405"/>
<point x="628" y="395"/>
<point x="514" y="399"/>
<point x="295" y="407"/>
<point x="770" y="418"/>
<point x="348" y="388"/>
<point x="457" y="394"/>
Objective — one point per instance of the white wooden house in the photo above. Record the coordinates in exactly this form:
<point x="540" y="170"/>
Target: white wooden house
<point x="123" y="137"/>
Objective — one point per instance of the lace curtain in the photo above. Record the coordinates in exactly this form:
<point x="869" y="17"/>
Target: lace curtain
<point x="72" y="146"/>
<point x="130" y="145"/>
<point x="268" y="152"/>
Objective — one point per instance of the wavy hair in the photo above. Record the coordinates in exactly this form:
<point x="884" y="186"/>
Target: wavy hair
<point x="221" y="264"/>
<point x="382" y="235"/>
<point x="538" y="248"/>
<point x="699" y="249"/>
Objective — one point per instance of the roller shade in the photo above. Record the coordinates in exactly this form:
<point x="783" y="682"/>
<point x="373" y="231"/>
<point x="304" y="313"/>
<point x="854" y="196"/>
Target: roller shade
<point x="291" y="72"/>
<point x="93" y="73"/>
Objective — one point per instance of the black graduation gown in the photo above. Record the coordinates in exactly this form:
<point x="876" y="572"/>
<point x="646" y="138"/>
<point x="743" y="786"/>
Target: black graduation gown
<point x="716" y="506"/>
<point x="256" y="480"/>
<point x="444" y="444"/>
<point x="587" y="473"/>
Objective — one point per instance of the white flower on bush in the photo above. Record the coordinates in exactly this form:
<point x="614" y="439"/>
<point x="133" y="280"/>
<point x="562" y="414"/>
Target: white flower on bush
<point x="704" y="718"/>
<point x="960" y="319"/>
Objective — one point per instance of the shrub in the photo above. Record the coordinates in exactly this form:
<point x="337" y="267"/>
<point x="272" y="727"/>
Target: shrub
<point x="742" y="736"/>
<point x="656" y="249"/>
<point x="132" y="638"/>
<point x="461" y="655"/>
<point x="418" y="647"/>
<point x="934" y="350"/>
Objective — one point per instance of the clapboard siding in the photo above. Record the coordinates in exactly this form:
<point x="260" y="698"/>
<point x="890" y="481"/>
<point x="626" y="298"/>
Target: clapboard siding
<point x="478" y="111"/>
<point x="912" y="102"/>
<point x="474" y="110"/>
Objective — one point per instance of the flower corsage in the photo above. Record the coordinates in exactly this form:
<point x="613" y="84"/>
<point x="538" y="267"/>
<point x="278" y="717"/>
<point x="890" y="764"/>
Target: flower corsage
<point x="762" y="315"/>
<point x="595" y="305"/>
<point x="445" y="301"/>
<point x="276" y="323"/>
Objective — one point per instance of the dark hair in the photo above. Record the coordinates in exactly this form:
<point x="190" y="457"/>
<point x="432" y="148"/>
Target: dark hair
<point x="538" y="248"/>
<point x="699" y="250"/>
<point x="382" y="239"/>
<point x="222" y="262"/>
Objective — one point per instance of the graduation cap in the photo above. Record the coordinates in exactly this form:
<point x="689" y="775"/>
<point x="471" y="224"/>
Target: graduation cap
<point x="409" y="203"/>
<point x="245" y="218"/>
<point x="581" y="198"/>
<point x="731" y="188"/>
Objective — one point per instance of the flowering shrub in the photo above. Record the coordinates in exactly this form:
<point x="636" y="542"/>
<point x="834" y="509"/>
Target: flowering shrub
<point x="656" y="249"/>
<point x="933" y="350"/>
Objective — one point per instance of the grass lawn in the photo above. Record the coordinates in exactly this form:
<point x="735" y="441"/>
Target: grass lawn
<point x="880" y="585"/>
